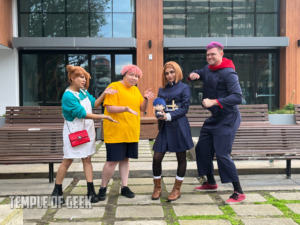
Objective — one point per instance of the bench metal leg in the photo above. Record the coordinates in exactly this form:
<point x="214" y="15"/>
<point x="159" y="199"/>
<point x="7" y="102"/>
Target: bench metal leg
<point x="288" y="169"/>
<point x="51" y="173"/>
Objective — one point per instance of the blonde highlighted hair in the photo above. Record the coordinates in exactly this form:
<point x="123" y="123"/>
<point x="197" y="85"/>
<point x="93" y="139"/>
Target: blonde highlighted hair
<point x="176" y="68"/>
<point x="76" y="71"/>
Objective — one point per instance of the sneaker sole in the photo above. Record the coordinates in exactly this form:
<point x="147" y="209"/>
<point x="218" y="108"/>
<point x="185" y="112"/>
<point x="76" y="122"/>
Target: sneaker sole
<point x="234" y="203"/>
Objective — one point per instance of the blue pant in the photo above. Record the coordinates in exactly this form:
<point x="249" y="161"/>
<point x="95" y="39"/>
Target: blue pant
<point x="217" y="140"/>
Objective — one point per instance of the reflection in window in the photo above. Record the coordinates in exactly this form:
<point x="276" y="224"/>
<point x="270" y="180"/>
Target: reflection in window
<point x="76" y="18"/>
<point x="101" y="73"/>
<point x="220" y="18"/>
<point x="55" y="78"/>
<point x="54" y="25"/>
<point x="101" y="25"/>
<point x="31" y="80"/>
<point x="174" y="25"/>
<point x="44" y="77"/>
<point x="257" y="73"/>
<point x="121" y="26"/>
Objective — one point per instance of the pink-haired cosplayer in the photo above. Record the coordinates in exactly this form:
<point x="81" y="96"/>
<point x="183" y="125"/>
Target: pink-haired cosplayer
<point x="131" y="69"/>
<point x="121" y="140"/>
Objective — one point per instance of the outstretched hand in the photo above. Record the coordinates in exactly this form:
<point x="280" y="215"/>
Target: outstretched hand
<point x="127" y="109"/>
<point x="111" y="119"/>
<point x="110" y="91"/>
<point x="148" y="94"/>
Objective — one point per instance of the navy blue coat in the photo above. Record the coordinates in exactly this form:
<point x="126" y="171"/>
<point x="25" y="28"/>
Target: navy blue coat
<point x="175" y="135"/>
<point x="224" y="86"/>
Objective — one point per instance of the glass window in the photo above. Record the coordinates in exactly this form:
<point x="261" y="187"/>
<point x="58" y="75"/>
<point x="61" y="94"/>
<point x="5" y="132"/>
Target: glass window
<point x="101" y="5"/>
<point x="267" y="6"/>
<point x="265" y="86"/>
<point x="171" y="6"/>
<point x="244" y="64"/>
<point x="31" y="25"/>
<point x="77" y="6"/>
<point x="77" y="25"/>
<point x="257" y="73"/>
<point x="220" y="6"/>
<point x="174" y="25"/>
<point x="220" y="25"/>
<point x="123" y="5"/>
<point x="30" y="6"/>
<point x="243" y="6"/>
<point x="54" y="25"/>
<point x="121" y="27"/>
<point x="220" y="18"/>
<point x="76" y="18"/>
<point x="54" y="6"/>
<point x="243" y="25"/>
<point x="196" y="6"/>
<point x="266" y="25"/>
<point x="197" y="25"/>
<point x="55" y="78"/>
<point x="101" y="73"/>
<point x="31" y="80"/>
<point x="44" y="77"/>
<point x="101" y="25"/>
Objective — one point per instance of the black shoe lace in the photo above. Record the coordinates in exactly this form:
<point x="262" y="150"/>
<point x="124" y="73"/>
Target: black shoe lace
<point x="234" y="196"/>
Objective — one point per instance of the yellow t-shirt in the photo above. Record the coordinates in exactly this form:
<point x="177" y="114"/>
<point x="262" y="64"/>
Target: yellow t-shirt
<point x="128" y="129"/>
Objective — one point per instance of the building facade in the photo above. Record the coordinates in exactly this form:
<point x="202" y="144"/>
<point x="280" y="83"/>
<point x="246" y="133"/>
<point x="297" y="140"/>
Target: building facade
<point x="39" y="38"/>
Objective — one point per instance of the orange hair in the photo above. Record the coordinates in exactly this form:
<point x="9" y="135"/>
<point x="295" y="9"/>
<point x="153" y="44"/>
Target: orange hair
<point x="177" y="69"/>
<point x="76" y="71"/>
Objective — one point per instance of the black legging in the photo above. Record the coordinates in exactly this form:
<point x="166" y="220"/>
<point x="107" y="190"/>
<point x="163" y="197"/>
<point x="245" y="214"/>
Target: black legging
<point x="158" y="157"/>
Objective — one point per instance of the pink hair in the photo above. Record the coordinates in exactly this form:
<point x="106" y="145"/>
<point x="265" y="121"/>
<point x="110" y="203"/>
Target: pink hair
<point x="215" y="44"/>
<point x="128" y="69"/>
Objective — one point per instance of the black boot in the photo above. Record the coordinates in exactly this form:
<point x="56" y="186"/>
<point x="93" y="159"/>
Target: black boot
<point x="57" y="195"/>
<point x="91" y="192"/>
<point x="102" y="193"/>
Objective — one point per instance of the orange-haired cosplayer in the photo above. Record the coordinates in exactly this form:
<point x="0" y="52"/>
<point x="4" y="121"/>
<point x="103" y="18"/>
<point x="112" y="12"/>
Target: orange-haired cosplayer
<point x="77" y="106"/>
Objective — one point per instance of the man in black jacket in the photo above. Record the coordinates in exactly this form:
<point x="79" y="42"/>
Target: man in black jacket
<point x="221" y="96"/>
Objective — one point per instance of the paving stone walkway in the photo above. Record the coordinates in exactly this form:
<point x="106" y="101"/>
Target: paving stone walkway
<point x="271" y="199"/>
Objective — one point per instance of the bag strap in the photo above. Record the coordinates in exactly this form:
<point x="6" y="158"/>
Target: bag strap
<point x="69" y="127"/>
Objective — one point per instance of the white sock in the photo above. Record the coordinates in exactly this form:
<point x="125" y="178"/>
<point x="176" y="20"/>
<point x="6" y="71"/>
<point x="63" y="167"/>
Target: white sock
<point x="179" y="178"/>
<point x="158" y="177"/>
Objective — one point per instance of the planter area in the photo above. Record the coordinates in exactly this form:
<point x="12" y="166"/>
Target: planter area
<point x="282" y="119"/>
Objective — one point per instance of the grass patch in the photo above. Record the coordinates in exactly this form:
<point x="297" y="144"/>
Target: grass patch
<point x="229" y="215"/>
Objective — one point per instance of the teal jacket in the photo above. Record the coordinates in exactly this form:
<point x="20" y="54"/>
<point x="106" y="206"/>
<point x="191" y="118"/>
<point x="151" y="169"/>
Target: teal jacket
<point x="71" y="107"/>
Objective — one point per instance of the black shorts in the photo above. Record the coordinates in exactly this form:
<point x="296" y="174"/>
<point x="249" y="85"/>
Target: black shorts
<point x="120" y="151"/>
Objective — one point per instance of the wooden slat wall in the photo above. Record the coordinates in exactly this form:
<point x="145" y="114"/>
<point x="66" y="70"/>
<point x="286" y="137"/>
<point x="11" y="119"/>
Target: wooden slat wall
<point x="149" y="26"/>
<point x="290" y="57"/>
<point x="6" y="23"/>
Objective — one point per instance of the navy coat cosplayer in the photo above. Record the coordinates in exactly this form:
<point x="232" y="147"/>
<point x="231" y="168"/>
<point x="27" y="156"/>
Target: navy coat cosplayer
<point x="175" y="135"/>
<point x="222" y="85"/>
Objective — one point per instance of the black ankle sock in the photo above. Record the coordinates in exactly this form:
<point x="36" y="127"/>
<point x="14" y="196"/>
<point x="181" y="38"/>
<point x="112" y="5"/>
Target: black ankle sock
<point x="237" y="187"/>
<point x="58" y="185"/>
<point x="211" y="179"/>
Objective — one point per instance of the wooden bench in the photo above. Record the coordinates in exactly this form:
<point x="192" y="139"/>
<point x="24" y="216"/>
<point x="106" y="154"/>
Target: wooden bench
<point x="297" y="113"/>
<point x="33" y="134"/>
<point x="252" y="115"/>
<point x="268" y="142"/>
<point x="21" y="146"/>
<point x="38" y="116"/>
<point x="257" y="138"/>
